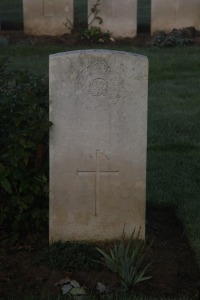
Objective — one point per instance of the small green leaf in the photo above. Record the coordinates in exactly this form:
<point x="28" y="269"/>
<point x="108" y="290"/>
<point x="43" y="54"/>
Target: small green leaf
<point x="75" y="283"/>
<point x="66" y="288"/>
<point x="77" y="291"/>
<point x="6" y="185"/>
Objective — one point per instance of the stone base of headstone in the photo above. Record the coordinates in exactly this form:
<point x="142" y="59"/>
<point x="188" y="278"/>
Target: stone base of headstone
<point x="98" y="107"/>
<point x="45" y="17"/>
<point x="167" y="15"/>
<point x="119" y="18"/>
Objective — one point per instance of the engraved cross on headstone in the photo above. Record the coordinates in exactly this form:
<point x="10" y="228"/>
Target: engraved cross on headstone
<point x="97" y="172"/>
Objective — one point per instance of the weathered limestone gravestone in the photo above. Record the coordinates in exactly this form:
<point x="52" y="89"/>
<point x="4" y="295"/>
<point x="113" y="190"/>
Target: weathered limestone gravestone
<point x="170" y="14"/>
<point x="98" y="106"/>
<point x="118" y="17"/>
<point x="47" y="17"/>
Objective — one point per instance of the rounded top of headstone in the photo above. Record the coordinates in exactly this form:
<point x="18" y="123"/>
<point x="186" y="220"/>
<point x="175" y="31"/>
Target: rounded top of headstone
<point x="100" y="76"/>
<point x="99" y="52"/>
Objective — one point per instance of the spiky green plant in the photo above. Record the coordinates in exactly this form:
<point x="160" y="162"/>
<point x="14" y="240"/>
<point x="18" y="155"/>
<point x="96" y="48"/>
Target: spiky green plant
<point x="126" y="259"/>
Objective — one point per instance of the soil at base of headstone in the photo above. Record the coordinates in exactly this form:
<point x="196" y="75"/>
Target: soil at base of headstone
<point x="174" y="270"/>
<point x="74" y="40"/>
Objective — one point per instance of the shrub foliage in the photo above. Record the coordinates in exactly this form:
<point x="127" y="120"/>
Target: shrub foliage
<point x="177" y="37"/>
<point x="24" y="150"/>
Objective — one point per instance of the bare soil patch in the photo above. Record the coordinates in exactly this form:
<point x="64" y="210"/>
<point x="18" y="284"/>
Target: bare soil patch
<point x="18" y="37"/>
<point x="174" y="270"/>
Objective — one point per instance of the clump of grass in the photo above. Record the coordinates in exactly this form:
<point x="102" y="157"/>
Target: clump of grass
<point x="126" y="258"/>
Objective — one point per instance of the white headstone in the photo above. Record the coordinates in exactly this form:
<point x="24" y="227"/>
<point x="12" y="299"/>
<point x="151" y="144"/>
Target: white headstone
<point x="169" y="14"/>
<point x="98" y="106"/>
<point x="47" y="17"/>
<point x="119" y="18"/>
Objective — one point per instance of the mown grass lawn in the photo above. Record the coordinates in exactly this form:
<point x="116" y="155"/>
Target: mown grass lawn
<point x="173" y="126"/>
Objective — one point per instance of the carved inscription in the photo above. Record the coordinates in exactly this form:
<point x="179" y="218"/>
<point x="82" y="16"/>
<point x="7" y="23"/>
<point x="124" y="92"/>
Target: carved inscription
<point x="97" y="173"/>
<point x="48" y="8"/>
<point x="98" y="86"/>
